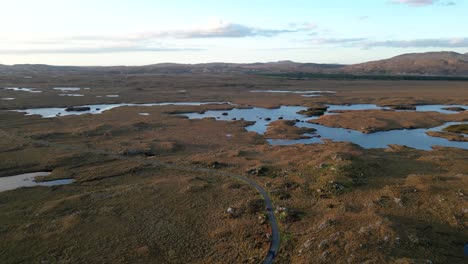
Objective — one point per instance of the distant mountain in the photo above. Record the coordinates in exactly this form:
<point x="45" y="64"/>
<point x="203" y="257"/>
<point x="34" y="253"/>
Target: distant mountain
<point x="414" y="64"/>
<point x="430" y="63"/>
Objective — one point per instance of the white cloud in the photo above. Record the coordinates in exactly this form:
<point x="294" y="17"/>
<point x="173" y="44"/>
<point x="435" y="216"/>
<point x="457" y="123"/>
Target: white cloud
<point x="409" y="43"/>
<point x="423" y="2"/>
<point x="140" y="42"/>
<point x="420" y="43"/>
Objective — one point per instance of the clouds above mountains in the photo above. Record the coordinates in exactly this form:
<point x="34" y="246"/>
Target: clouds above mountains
<point x="168" y="40"/>
<point x="423" y="2"/>
<point x="421" y="43"/>
<point x="410" y="43"/>
<point x="217" y="29"/>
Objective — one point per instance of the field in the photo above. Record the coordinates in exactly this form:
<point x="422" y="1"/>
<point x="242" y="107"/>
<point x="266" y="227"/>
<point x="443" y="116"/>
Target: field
<point x="156" y="188"/>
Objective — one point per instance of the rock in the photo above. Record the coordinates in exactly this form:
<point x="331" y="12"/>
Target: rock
<point x="326" y="223"/>
<point x="258" y="171"/>
<point x="398" y="201"/>
<point x="262" y="219"/>
<point x="323" y="244"/>
<point x="77" y="108"/>
<point x="413" y="238"/>
<point x="280" y="209"/>
<point x="267" y="119"/>
<point x="224" y="114"/>
<point x="325" y="255"/>
<point x="280" y="118"/>
<point x="232" y="212"/>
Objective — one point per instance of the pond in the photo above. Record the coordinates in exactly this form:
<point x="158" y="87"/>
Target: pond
<point x="27" y="180"/>
<point x="415" y="138"/>
<point x="99" y="108"/>
<point x="67" y="89"/>
<point x="23" y="89"/>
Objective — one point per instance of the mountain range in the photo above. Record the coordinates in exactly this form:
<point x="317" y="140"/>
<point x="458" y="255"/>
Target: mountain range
<point x="413" y="64"/>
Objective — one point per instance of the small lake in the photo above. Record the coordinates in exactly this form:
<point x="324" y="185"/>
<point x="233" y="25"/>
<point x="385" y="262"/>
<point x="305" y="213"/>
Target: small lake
<point x="99" y="108"/>
<point x="67" y="89"/>
<point x="27" y="180"/>
<point x="23" y="89"/>
<point x="72" y="95"/>
<point x="415" y="138"/>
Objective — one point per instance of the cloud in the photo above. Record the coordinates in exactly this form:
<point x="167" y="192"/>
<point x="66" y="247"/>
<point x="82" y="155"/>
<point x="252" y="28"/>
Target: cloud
<point x="338" y="40"/>
<point x="421" y="43"/>
<point x="410" y="43"/>
<point x="217" y="29"/>
<point x="423" y="2"/>
<point x="92" y="50"/>
<point x="141" y="42"/>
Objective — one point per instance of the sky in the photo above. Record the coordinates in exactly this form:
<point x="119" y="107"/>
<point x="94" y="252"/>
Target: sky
<point x="140" y="32"/>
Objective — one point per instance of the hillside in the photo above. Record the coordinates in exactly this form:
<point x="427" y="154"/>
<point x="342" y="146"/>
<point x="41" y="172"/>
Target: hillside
<point x="431" y="63"/>
<point x="414" y="64"/>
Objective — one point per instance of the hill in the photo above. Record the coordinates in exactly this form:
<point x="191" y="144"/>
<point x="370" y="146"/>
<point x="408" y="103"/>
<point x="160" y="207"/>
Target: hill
<point x="431" y="63"/>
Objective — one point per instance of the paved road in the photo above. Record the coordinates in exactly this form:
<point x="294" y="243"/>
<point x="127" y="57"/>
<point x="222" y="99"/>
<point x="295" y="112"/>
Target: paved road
<point x="275" y="233"/>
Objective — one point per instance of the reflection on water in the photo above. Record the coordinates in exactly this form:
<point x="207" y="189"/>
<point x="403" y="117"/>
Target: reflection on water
<point x="72" y="95"/>
<point x="303" y="93"/>
<point x="66" y="89"/>
<point x="22" y="89"/>
<point x="27" y="180"/>
<point x="99" y="108"/>
<point x="415" y="138"/>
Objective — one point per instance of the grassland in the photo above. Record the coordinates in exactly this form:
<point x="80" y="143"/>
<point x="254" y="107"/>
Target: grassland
<point x="337" y="202"/>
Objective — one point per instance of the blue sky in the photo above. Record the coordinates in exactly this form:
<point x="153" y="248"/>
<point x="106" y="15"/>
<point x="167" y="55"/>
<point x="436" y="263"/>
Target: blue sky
<point x="136" y="32"/>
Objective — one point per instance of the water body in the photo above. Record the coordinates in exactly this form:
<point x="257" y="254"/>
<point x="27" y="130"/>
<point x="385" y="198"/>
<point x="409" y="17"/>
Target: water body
<point x="415" y="138"/>
<point x="23" y="89"/>
<point x="99" y="108"/>
<point x="72" y="95"/>
<point x="303" y="93"/>
<point x="438" y="108"/>
<point x="27" y="180"/>
<point x="419" y="108"/>
<point x="67" y="89"/>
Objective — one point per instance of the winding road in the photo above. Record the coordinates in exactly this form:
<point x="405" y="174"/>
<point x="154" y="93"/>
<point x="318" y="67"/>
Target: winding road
<point x="275" y="232"/>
